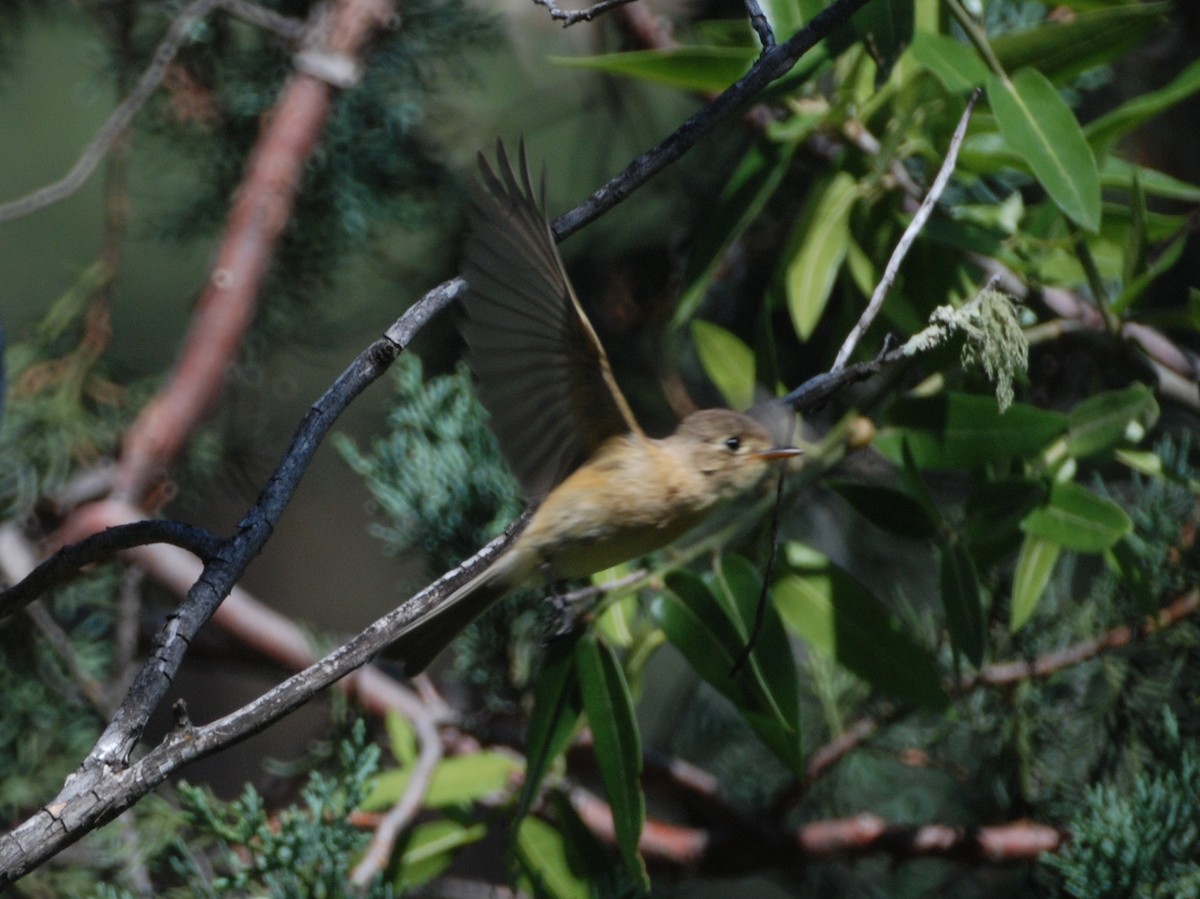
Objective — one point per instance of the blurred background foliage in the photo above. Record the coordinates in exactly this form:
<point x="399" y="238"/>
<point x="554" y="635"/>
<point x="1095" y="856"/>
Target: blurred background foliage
<point x="952" y="538"/>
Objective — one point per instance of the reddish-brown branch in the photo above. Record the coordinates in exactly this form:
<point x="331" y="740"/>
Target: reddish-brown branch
<point x="1004" y="673"/>
<point x="734" y="848"/>
<point x="261" y="209"/>
<point x="1000" y="674"/>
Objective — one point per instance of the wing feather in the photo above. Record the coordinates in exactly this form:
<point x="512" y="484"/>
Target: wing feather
<point x="543" y="375"/>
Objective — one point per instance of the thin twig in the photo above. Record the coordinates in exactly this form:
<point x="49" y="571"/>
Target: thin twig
<point x="769" y="66"/>
<point x="906" y="240"/>
<point x="152" y="77"/>
<point x="117" y="123"/>
<point x="401" y="815"/>
<point x="998" y="674"/>
<point x="569" y="18"/>
<point x="758" y="21"/>
<point x="100" y="547"/>
<point x="291" y="30"/>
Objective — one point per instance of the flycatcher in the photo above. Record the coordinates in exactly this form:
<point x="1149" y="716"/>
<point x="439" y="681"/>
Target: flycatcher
<point x="604" y="491"/>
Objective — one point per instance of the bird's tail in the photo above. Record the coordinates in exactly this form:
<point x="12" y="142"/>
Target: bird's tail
<point x="423" y="639"/>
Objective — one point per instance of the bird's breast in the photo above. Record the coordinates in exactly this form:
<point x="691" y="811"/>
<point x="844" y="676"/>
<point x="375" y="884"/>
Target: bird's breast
<point x="632" y="498"/>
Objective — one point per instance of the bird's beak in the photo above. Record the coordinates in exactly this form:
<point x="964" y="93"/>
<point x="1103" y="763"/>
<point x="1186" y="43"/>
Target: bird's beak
<point x="779" y="452"/>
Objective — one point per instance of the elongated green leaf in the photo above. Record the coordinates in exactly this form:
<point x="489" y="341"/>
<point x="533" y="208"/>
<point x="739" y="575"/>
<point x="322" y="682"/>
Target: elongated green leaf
<point x="1102" y="132"/>
<point x="1118" y="173"/>
<point x="742" y="199"/>
<point x="557" y="709"/>
<point x="1075" y="518"/>
<point x="711" y="641"/>
<point x="609" y="708"/>
<point x="712" y="637"/>
<point x="772" y="653"/>
<point x="824" y="234"/>
<point x="837" y="616"/>
<point x="545" y="860"/>
<point x="962" y="430"/>
<point x="459" y="780"/>
<point x="1136" y="236"/>
<point x="1100" y="422"/>
<point x="963" y="603"/>
<point x="886" y="29"/>
<point x="1041" y="127"/>
<point x="1034" y="566"/>
<point x="888" y="508"/>
<point x="956" y="65"/>
<point x="727" y="361"/>
<point x="994" y="514"/>
<point x="1061" y="50"/>
<point x="429" y="849"/>
<point x="1165" y="261"/>
<point x="702" y="69"/>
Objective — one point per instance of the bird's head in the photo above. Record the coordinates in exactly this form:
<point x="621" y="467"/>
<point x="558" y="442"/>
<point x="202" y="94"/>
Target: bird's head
<point x="733" y="450"/>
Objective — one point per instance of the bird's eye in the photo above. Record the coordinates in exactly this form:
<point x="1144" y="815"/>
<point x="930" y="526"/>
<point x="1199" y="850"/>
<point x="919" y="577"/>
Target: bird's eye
<point x="733" y="444"/>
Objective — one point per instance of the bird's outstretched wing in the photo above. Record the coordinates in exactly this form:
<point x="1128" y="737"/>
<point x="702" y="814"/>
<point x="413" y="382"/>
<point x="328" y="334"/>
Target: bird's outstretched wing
<point x="543" y="375"/>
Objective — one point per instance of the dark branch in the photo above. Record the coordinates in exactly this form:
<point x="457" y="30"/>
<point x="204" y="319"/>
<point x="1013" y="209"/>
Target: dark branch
<point x="758" y="21"/>
<point x="771" y="65"/>
<point x="102" y="546"/>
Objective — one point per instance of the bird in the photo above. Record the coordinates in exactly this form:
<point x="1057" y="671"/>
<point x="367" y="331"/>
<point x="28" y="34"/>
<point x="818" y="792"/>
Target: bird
<point x="602" y="491"/>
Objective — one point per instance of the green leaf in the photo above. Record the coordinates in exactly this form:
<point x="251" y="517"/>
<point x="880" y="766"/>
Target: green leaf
<point x="428" y="851"/>
<point x="1164" y="262"/>
<point x="1118" y="173"/>
<point x="960" y="430"/>
<point x="839" y="617"/>
<point x="819" y="246"/>
<point x="1136" y="239"/>
<point x="887" y="508"/>
<point x="1039" y="126"/>
<point x="1101" y="422"/>
<point x="727" y="361"/>
<point x="1077" y="519"/>
<point x="546" y="860"/>
<point x="886" y="28"/>
<point x="963" y="603"/>
<point x="557" y="709"/>
<point x="1034" y="566"/>
<point x="711" y="640"/>
<point x="401" y="737"/>
<point x="609" y="708"/>
<point x="1104" y="131"/>
<point x="994" y="513"/>
<point x="954" y="64"/>
<point x="742" y="199"/>
<point x="700" y="69"/>
<point x="456" y="781"/>
<point x="772" y="652"/>
<point x="1063" y="50"/>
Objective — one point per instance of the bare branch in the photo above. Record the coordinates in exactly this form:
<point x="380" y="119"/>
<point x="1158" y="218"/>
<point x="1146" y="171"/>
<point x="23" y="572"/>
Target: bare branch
<point x="401" y="815"/>
<point x="758" y="21"/>
<point x="117" y="123"/>
<point x="176" y="34"/>
<point x="569" y="18"/>
<point x="100" y="547"/>
<point x="770" y="66"/>
<point x="997" y="674"/>
<point x="906" y="240"/>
